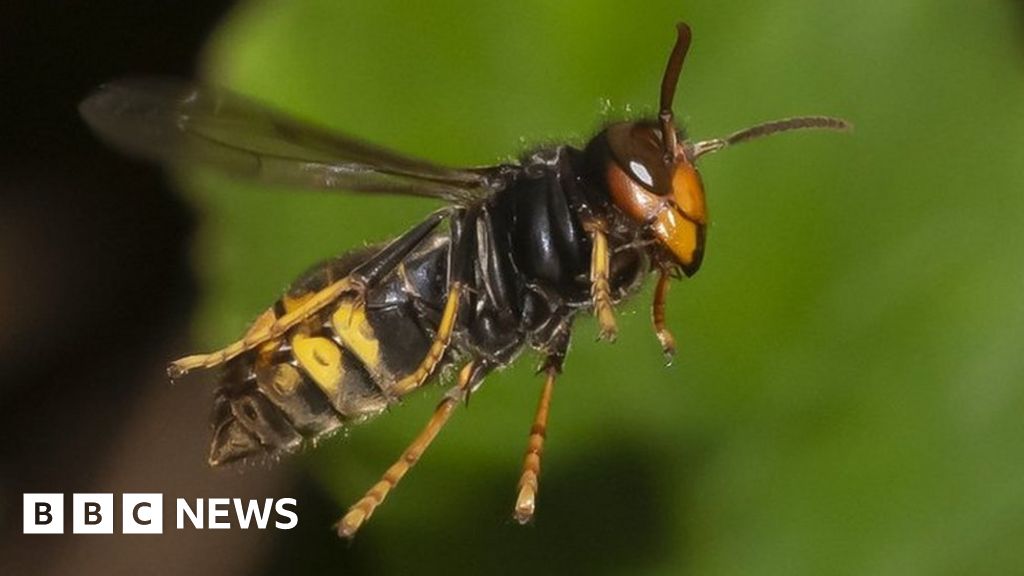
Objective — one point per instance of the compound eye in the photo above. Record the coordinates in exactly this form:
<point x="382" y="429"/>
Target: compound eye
<point x="637" y="149"/>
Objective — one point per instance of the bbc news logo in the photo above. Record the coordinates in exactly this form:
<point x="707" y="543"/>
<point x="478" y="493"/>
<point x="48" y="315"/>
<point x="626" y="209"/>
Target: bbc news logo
<point x="144" y="513"/>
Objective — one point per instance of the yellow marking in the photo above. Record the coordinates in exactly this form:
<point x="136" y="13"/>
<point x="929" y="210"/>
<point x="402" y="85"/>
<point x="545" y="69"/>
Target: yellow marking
<point x="254" y="338"/>
<point x="437" y="347"/>
<point x="678" y="233"/>
<point x="284" y="379"/>
<point x="688" y="191"/>
<point x="321" y="359"/>
<point x="354" y="331"/>
<point x="361" y="511"/>
<point x="600" y="290"/>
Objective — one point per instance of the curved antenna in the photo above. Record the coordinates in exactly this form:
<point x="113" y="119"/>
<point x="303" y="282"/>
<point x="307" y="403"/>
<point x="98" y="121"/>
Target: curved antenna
<point x="769" y="128"/>
<point x="668" y="90"/>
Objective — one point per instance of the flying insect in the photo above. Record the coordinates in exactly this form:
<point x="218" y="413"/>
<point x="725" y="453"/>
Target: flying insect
<point x="518" y="252"/>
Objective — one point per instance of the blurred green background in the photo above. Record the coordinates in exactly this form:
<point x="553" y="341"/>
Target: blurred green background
<point x="847" y="398"/>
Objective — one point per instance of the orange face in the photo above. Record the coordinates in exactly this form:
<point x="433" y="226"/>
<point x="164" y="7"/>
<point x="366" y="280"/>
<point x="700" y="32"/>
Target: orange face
<point x="667" y="197"/>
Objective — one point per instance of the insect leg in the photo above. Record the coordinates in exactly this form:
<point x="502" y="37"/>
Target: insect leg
<point x="356" y="283"/>
<point x="469" y="378"/>
<point x="599" y="288"/>
<point x="254" y="338"/>
<point x="668" y="342"/>
<point x="527" y="499"/>
<point x="459" y="267"/>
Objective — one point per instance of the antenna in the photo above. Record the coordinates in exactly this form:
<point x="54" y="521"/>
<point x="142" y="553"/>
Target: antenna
<point x="668" y="90"/>
<point x="769" y="128"/>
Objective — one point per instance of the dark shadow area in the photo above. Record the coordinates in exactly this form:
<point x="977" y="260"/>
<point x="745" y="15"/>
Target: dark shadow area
<point x="609" y="511"/>
<point x="95" y="279"/>
<point x="314" y="547"/>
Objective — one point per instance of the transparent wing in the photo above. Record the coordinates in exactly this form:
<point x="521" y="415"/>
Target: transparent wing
<point x="174" y="121"/>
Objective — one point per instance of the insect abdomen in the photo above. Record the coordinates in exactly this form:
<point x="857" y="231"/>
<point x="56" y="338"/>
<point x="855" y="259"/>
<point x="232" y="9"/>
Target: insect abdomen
<point x="331" y="371"/>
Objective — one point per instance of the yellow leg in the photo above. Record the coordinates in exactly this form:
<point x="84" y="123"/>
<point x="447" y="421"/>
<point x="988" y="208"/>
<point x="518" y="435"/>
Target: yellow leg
<point x="361" y="511"/>
<point x="599" y="288"/>
<point x="255" y="337"/>
<point x="668" y="342"/>
<point x="527" y="499"/>
<point x="437" y="347"/>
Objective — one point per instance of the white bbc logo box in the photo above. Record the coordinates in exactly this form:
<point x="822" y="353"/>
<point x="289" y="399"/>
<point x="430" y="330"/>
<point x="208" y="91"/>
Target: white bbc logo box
<point x="142" y="514"/>
<point x="93" y="513"/>
<point x="43" y="514"/>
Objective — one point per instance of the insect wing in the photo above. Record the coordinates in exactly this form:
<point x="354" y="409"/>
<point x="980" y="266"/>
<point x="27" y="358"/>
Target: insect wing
<point x="175" y="121"/>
